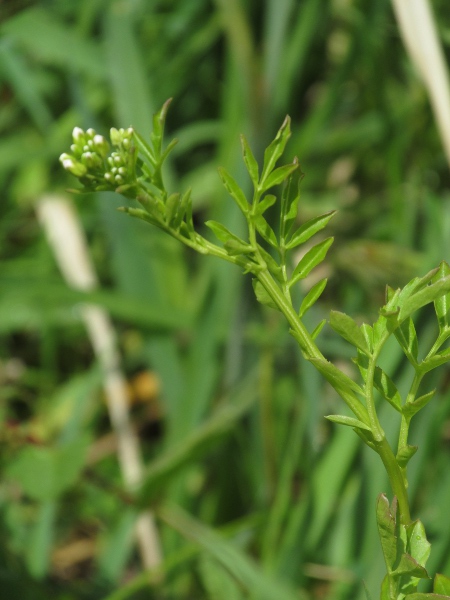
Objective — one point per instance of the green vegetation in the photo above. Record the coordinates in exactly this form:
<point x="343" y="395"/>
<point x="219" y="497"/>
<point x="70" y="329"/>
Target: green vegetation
<point x="255" y="494"/>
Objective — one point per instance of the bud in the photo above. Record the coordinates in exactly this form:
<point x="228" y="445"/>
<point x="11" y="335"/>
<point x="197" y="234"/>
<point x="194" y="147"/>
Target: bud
<point x="73" y="166"/>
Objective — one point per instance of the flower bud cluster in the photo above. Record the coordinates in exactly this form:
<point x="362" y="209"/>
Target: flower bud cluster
<point x="91" y="163"/>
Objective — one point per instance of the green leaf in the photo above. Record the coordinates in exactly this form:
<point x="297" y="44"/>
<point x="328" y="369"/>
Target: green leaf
<point x="435" y="361"/>
<point x="262" y="295"/>
<point x="312" y="296"/>
<point x="276" y="149"/>
<point x="367" y="332"/>
<point x="318" y="328"/>
<point x="409" y="566"/>
<point x="411" y="408"/>
<point x="405" y="454"/>
<point x="407" y="338"/>
<point x="222" y="233"/>
<point x="420" y="596"/>
<point x="368" y="596"/>
<point x="387" y="529"/>
<point x="428" y="294"/>
<point x="234" y="190"/>
<point x="265" y="231"/>
<point x="419" y="547"/>
<point x="312" y="258"/>
<point x="344" y="386"/>
<point x="385" y="595"/>
<point x="268" y="201"/>
<point x="250" y="161"/>
<point x="234" y="248"/>
<point x="45" y="473"/>
<point x="387" y="388"/>
<point x="349" y="421"/>
<point x="441" y="584"/>
<point x="346" y="327"/>
<point x="279" y="175"/>
<point x="308" y="229"/>
<point x="272" y="264"/>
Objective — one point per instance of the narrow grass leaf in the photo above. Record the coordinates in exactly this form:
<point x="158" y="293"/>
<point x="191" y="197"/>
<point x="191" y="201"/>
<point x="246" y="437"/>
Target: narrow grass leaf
<point x="193" y="446"/>
<point x="347" y="328"/>
<point x="349" y="421"/>
<point x="312" y="258"/>
<point x="312" y="296"/>
<point x="308" y="229"/>
<point x="250" y="576"/>
<point x="234" y="190"/>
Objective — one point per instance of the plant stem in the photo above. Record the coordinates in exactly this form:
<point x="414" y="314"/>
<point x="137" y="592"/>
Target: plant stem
<point x="396" y="479"/>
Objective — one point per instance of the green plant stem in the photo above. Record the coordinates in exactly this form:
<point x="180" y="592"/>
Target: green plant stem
<point x="396" y="479"/>
<point x="404" y="426"/>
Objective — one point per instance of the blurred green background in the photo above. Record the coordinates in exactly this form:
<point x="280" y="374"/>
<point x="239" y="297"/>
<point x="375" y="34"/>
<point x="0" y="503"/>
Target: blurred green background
<point x="255" y="495"/>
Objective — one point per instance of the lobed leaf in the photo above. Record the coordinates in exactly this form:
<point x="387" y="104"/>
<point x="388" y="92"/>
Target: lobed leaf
<point x="388" y="529"/>
<point x="308" y="229"/>
<point x="424" y="296"/>
<point x="250" y="161"/>
<point x="222" y="233"/>
<point x="265" y="231"/>
<point x="265" y="203"/>
<point x="347" y="328"/>
<point x="234" y="190"/>
<point x="419" y="546"/>
<point x="272" y="264"/>
<point x="276" y="148"/>
<point x="312" y="296"/>
<point x="279" y="175"/>
<point x="349" y="421"/>
<point x="312" y="258"/>
<point x="387" y="388"/>
<point x="405" y="454"/>
<point x="262" y="294"/>
<point x="435" y="361"/>
<point x="442" y="304"/>
<point x="409" y="566"/>
<point x="421" y="596"/>
<point x="407" y="338"/>
<point x="344" y="386"/>
<point x="411" y="408"/>
<point x="441" y="584"/>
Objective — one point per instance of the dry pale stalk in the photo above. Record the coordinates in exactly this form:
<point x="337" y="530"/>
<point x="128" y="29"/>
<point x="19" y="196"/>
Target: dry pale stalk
<point x="67" y="240"/>
<point x="419" y="34"/>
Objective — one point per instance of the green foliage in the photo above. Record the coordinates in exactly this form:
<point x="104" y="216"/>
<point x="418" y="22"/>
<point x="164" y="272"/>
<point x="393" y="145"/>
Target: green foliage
<point x="288" y="491"/>
<point x="403" y="541"/>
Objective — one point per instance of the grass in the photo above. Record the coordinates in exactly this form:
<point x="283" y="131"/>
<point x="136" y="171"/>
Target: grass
<point x="242" y="473"/>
